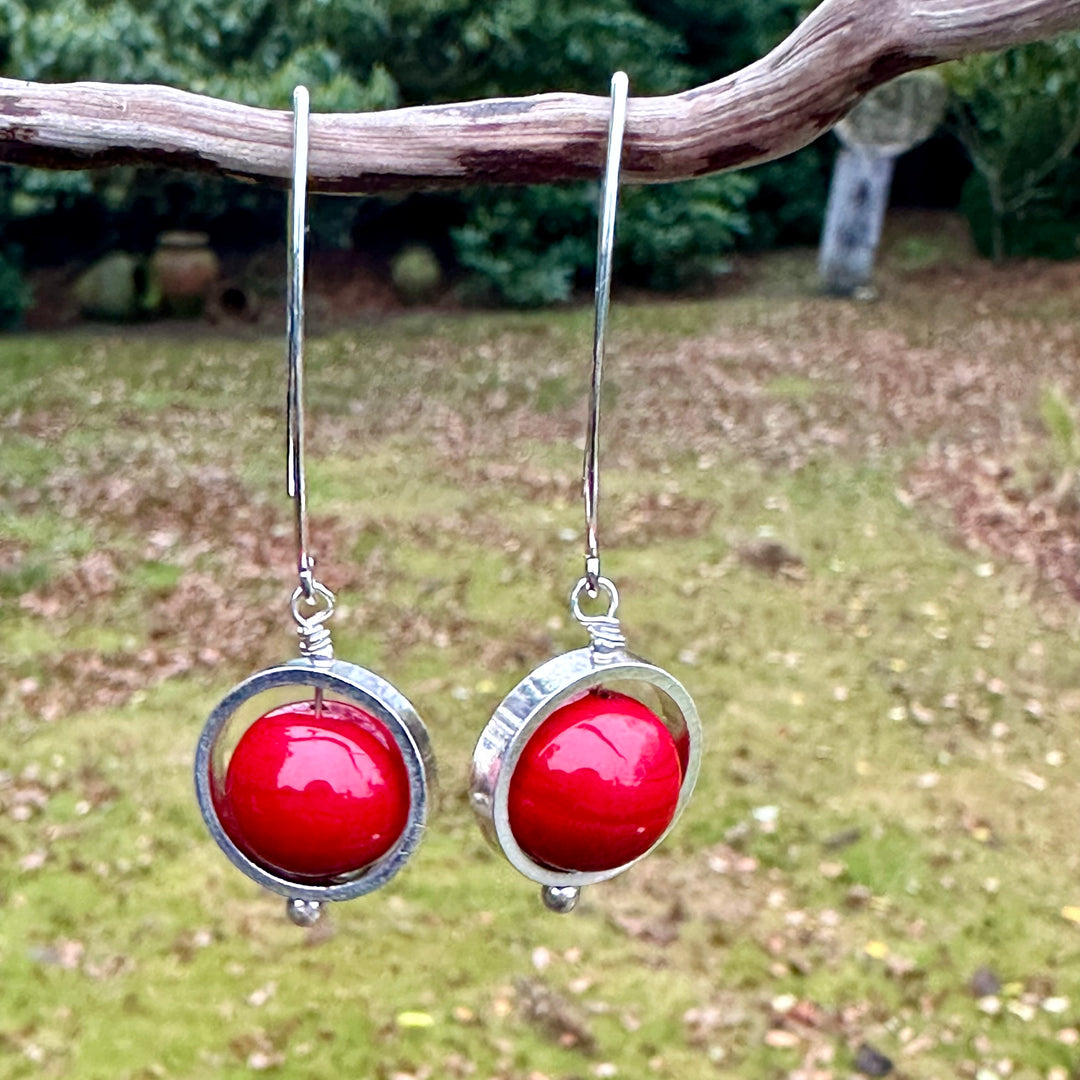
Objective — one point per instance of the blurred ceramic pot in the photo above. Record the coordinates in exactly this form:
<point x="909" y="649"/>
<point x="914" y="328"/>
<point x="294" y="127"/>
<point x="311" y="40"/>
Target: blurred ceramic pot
<point x="185" y="271"/>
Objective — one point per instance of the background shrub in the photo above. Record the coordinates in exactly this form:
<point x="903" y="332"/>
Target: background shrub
<point x="1018" y="115"/>
<point x="523" y="246"/>
<point x="14" y="293"/>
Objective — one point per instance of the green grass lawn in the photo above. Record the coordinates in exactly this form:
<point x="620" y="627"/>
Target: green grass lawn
<point x="888" y="798"/>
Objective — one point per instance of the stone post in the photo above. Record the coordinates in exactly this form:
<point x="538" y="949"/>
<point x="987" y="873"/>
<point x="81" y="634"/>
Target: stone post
<point x="884" y="124"/>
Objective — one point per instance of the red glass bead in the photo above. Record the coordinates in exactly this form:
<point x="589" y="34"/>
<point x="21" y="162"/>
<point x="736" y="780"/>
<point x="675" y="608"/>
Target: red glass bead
<point x="314" y="790"/>
<point x="596" y="785"/>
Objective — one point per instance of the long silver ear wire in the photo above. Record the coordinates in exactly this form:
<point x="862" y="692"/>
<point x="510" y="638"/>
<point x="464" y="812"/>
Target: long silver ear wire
<point x="295" y="481"/>
<point x="306" y="836"/>
<point x="314" y="636"/>
<point x="601" y="678"/>
<point x="310" y="594"/>
<point x="605" y="259"/>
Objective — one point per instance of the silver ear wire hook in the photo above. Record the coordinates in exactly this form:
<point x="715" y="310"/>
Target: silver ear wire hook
<point x="605" y="249"/>
<point x="294" y="329"/>
<point x="315" y="638"/>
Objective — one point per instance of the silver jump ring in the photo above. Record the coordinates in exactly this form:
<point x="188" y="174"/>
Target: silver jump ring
<point x="320" y="594"/>
<point x="603" y="584"/>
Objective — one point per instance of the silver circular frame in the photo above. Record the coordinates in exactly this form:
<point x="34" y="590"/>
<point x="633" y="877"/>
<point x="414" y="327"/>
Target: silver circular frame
<point x="377" y="697"/>
<point x="555" y="683"/>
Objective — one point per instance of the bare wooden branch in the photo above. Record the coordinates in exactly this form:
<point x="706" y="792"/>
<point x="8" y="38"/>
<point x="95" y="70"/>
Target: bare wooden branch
<point x="774" y="106"/>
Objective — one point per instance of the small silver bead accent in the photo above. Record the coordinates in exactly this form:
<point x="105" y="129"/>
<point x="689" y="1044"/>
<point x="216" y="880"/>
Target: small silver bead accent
<point x="560" y="899"/>
<point x="303" y="913"/>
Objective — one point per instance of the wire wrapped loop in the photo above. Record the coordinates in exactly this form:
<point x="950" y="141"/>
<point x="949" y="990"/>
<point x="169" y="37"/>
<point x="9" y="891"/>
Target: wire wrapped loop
<point x="315" y="643"/>
<point x="605" y="633"/>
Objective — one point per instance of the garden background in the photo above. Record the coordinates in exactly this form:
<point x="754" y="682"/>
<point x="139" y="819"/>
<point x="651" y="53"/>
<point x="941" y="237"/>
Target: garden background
<point x="850" y="528"/>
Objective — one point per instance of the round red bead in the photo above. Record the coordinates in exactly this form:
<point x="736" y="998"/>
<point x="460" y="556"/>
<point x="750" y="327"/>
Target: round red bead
<point x="596" y="786"/>
<point x="315" y="790"/>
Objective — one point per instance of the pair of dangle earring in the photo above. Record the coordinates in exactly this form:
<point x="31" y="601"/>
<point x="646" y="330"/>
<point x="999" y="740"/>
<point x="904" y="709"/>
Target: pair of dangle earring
<point x="587" y="763"/>
<point x="315" y="776"/>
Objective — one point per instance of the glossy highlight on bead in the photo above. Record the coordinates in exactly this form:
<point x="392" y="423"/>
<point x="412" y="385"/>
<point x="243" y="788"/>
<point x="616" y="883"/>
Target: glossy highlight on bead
<point x="315" y="790"/>
<point x="596" y="785"/>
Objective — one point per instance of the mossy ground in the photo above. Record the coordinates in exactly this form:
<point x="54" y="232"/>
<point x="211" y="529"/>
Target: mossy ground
<point x="889" y="791"/>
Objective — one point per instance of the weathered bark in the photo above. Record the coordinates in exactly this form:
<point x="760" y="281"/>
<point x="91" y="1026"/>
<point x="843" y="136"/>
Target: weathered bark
<point x="774" y="106"/>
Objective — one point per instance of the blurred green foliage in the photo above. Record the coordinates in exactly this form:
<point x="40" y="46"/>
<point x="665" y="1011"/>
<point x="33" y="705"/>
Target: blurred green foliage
<point x="525" y="246"/>
<point x="1018" y="115"/>
<point x="14" y="292"/>
<point x="528" y="244"/>
<point x="676" y="234"/>
<point x="522" y="245"/>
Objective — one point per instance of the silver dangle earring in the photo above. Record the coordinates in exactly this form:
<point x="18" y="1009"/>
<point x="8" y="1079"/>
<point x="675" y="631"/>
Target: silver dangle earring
<point x="587" y="763"/>
<point x="314" y="777"/>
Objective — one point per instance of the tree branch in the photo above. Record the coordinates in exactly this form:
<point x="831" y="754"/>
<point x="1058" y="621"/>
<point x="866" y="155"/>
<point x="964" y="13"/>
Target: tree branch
<point x="774" y="106"/>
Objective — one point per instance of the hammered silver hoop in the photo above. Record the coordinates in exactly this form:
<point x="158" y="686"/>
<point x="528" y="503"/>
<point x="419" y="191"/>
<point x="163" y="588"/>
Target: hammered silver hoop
<point x="340" y="681"/>
<point x="556" y="683"/>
